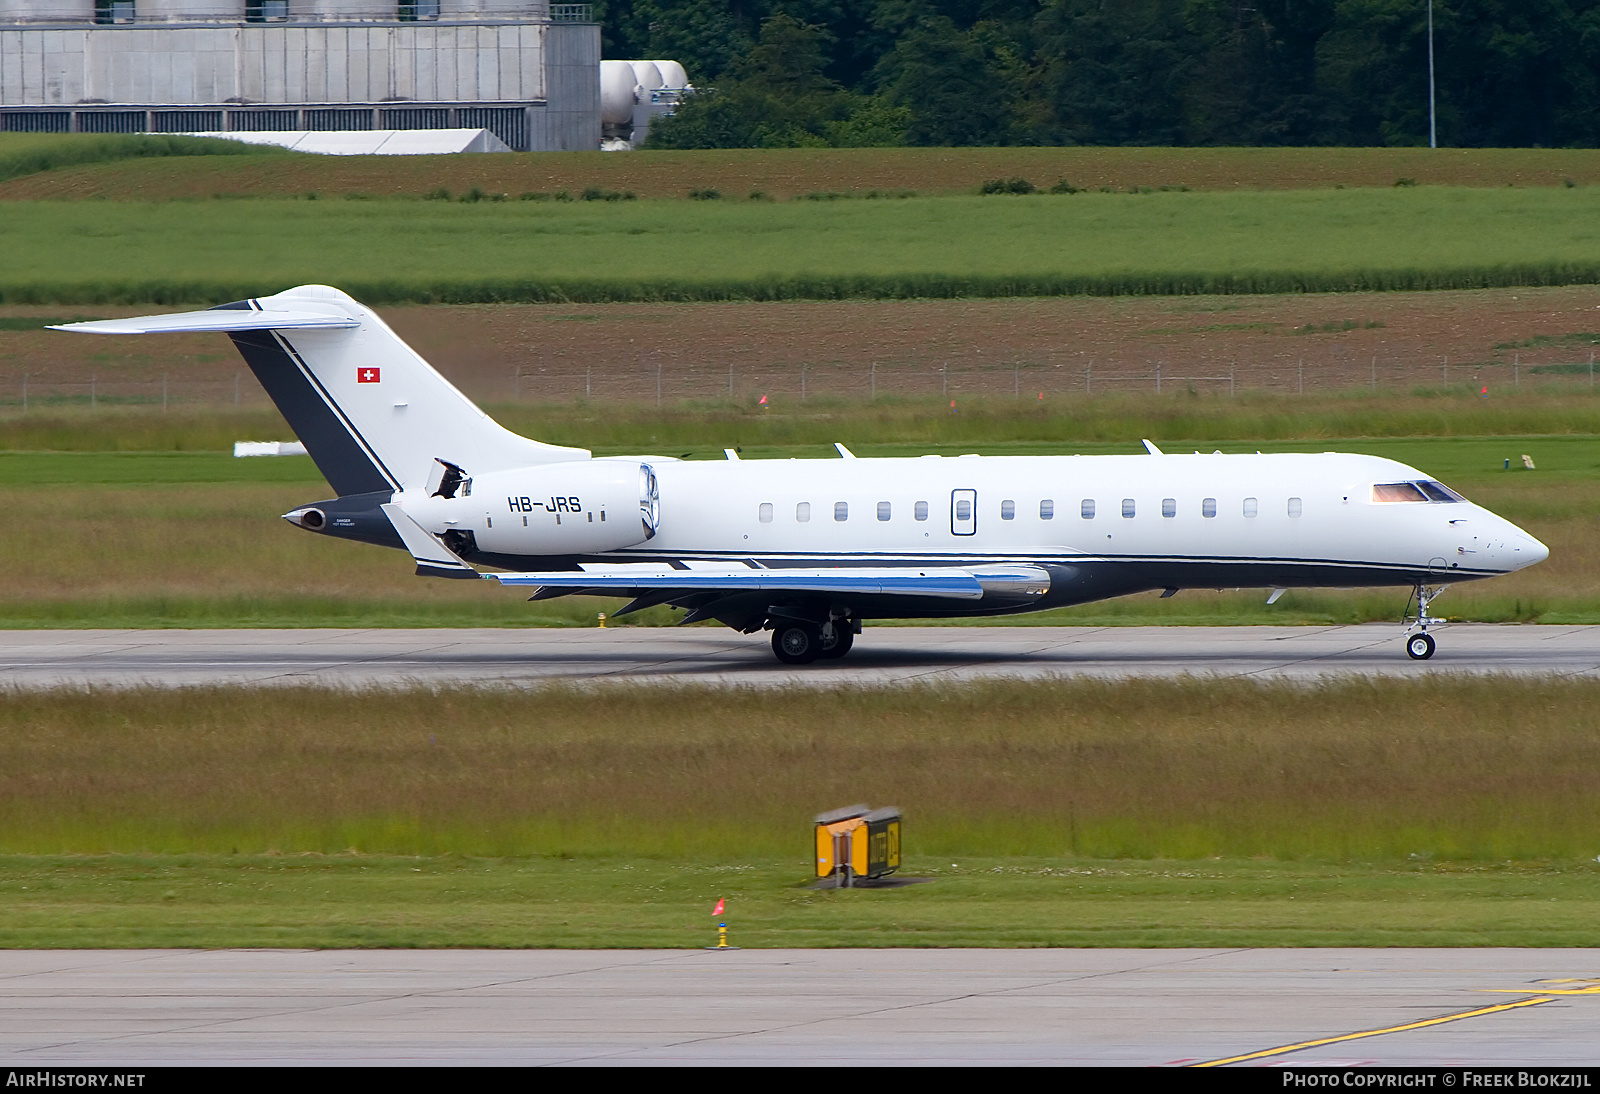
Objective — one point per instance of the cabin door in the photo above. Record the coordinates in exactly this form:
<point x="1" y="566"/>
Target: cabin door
<point x="964" y="512"/>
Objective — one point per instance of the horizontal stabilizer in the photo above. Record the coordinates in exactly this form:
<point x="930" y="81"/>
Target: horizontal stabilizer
<point x="213" y="319"/>
<point x="952" y="583"/>
<point x="434" y="559"/>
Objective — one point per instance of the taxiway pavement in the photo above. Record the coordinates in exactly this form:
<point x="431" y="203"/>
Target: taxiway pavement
<point x="132" y="1008"/>
<point x="882" y="655"/>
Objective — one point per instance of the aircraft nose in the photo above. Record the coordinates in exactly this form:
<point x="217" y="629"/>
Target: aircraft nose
<point x="1526" y="551"/>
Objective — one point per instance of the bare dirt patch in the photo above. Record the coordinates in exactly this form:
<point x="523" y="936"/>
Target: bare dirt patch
<point x="786" y="173"/>
<point x="854" y="350"/>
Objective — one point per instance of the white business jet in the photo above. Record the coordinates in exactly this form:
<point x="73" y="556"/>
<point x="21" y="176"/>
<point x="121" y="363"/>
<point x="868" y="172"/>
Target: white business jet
<point x="809" y="549"/>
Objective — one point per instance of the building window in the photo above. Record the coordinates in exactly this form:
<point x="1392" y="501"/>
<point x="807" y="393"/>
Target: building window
<point x="884" y="510"/>
<point x="1249" y="507"/>
<point x="1087" y="509"/>
<point x="920" y="510"/>
<point x="1169" y="507"/>
<point x="841" y="510"/>
<point x="1294" y="507"/>
<point x="1127" y="507"/>
<point x="1008" y="510"/>
<point x="765" y="512"/>
<point x="1208" y="507"/>
<point x="1047" y="509"/>
<point x="802" y="512"/>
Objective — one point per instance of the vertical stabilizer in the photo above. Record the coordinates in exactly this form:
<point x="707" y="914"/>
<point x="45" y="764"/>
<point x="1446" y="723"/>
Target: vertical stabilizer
<point x="373" y="414"/>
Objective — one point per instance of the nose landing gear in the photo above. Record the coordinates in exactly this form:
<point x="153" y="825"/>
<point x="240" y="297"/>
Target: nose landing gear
<point x="1420" y="645"/>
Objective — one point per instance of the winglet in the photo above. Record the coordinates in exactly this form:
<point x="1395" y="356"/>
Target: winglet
<point x="434" y="559"/>
<point x="843" y="451"/>
<point x="1150" y="447"/>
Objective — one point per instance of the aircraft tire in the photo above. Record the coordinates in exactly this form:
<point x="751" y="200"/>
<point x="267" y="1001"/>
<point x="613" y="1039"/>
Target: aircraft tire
<point x="797" y="643"/>
<point x="843" y="638"/>
<point x="1419" y="647"/>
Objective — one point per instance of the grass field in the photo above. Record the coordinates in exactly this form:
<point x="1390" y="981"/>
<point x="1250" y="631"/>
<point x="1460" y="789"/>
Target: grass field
<point x="364" y="900"/>
<point x="25" y="154"/>
<point x="1160" y="243"/>
<point x="783" y="173"/>
<point x="1430" y="812"/>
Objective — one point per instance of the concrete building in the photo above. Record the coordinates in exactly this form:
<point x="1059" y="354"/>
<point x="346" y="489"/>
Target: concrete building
<point x="526" y="70"/>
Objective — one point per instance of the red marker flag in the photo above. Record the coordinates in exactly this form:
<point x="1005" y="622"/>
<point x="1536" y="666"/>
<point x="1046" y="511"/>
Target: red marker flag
<point x="718" y="909"/>
<point x="366" y="376"/>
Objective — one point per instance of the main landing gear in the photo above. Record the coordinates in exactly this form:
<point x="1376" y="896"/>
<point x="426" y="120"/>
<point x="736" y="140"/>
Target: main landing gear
<point x="800" y="642"/>
<point x="1419" y="645"/>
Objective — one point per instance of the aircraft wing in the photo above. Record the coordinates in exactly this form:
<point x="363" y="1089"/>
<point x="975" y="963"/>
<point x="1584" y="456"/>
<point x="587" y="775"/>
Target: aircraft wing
<point x="213" y="319"/>
<point x="955" y="583"/>
<point x="951" y="582"/>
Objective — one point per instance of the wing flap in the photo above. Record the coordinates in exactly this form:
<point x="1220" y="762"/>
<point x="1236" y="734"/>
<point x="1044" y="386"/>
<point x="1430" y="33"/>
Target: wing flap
<point x="213" y="320"/>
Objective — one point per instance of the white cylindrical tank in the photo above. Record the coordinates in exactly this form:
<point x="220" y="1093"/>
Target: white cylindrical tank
<point x="189" y="11"/>
<point x="47" y="11"/>
<point x="673" y="77"/>
<point x="344" y="11"/>
<point x="648" y="75"/>
<point x="617" y="83"/>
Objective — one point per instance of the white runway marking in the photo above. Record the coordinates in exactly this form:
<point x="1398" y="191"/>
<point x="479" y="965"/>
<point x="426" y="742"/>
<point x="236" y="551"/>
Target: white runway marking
<point x="882" y="655"/>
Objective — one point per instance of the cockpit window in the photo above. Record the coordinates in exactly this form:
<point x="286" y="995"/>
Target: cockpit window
<point x="1438" y="491"/>
<point x="1425" y="490"/>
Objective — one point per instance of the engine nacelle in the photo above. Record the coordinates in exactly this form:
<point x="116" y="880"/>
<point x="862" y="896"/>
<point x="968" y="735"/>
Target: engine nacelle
<point x="583" y="507"/>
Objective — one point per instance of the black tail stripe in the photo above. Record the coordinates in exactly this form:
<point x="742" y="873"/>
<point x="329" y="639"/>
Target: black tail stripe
<point x="333" y="405"/>
<point x="344" y="459"/>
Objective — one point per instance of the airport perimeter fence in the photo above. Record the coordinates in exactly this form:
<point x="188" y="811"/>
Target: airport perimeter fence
<point x="666" y="379"/>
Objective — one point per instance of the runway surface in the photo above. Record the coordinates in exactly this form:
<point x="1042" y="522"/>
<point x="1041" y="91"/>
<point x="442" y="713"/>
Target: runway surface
<point x="883" y="655"/>
<point x="837" y="1007"/>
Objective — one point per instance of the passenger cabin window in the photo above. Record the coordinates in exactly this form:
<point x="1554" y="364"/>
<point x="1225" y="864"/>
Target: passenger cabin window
<point x="841" y="510"/>
<point x="1127" y="507"/>
<point x="1047" y="510"/>
<point x="1088" y="509"/>
<point x="1249" y="507"/>
<point x="920" y="510"/>
<point x="1208" y="507"/>
<point x="1008" y="510"/>
<point x="802" y="512"/>
<point x="1294" y="507"/>
<point x="883" y="510"/>
<point x="765" y="512"/>
<point x="1169" y="507"/>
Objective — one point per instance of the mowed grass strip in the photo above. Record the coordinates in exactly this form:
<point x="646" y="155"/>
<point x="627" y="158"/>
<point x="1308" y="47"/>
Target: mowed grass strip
<point x="354" y="899"/>
<point x="1114" y="244"/>
<point x="1467" y="769"/>
<point x="796" y="172"/>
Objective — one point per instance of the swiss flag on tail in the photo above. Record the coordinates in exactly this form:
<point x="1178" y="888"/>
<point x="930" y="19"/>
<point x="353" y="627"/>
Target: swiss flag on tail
<point x="366" y="376"/>
<point x="718" y="909"/>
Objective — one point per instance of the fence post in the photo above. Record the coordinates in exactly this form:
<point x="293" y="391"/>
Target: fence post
<point x="944" y="378"/>
<point x="1158" y="377"/>
<point x="872" y="378"/>
<point x="1374" y="384"/>
<point x="802" y="383"/>
<point x="658" y="384"/>
<point x="163" y="393"/>
<point x="91" y="391"/>
<point x="730" y="381"/>
<point x="1516" y="370"/>
<point x="25" y="383"/>
<point x="236" y="389"/>
<point x="1444" y="375"/>
<point x="1231" y="366"/>
<point x="1300" y="377"/>
<point x="1088" y="379"/>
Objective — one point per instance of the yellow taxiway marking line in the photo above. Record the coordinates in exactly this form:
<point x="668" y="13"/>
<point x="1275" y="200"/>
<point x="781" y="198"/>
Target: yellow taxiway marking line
<point x="1544" y="991"/>
<point x="1376" y="1032"/>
